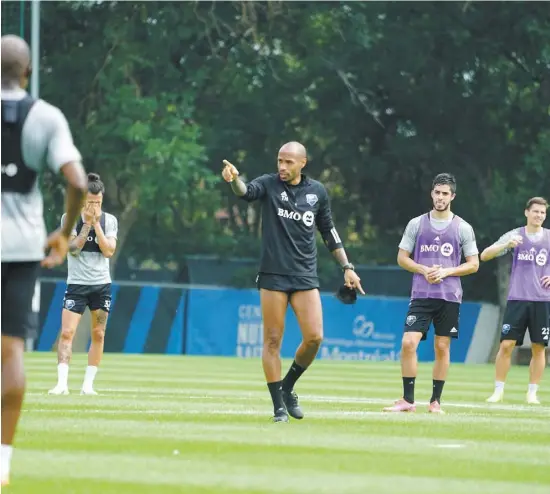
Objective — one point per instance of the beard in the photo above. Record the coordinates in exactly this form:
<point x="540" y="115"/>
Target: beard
<point x="441" y="207"/>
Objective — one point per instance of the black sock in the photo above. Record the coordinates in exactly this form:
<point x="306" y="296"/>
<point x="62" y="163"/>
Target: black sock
<point x="276" y="395"/>
<point x="292" y="376"/>
<point x="437" y="390"/>
<point x="408" y="389"/>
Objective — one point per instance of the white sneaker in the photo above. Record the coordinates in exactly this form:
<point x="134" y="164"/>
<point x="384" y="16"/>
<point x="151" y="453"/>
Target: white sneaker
<point x="532" y="399"/>
<point x="88" y="391"/>
<point x="59" y="390"/>
<point x="496" y="397"/>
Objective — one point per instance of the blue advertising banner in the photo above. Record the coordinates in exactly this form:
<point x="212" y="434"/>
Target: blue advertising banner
<point x="229" y="323"/>
<point x="142" y="319"/>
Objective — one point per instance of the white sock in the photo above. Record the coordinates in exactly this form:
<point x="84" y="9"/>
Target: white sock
<point x="499" y="385"/>
<point x="63" y="375"/>
<point x="89" y="377"/>
<point x="533" y="388"/>
<point x="6" y="460"/>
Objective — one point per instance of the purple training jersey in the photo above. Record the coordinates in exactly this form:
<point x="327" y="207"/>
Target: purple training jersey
<point x="440" y="247"/>
<point x="530" y="264"/>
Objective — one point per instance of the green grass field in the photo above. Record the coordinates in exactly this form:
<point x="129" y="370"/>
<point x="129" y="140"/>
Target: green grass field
<point x="201" y="425"/>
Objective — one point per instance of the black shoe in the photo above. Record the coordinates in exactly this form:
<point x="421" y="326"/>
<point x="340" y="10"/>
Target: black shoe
<point x="291" y="402"/>
<point x="280" y="416"/>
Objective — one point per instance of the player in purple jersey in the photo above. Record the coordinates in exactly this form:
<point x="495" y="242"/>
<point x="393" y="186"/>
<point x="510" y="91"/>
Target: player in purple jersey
<point x="437" y="241"/>
<point x="528" y="296"/>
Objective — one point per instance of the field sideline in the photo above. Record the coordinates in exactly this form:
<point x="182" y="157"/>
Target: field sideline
<point x="201" y="425"/>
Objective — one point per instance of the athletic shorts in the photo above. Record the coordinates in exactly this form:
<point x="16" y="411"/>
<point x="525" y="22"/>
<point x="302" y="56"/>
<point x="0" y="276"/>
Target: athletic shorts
<point x="520" y="315"/>
<point x="443" y="314"/>
<point x="18" y="283"/>
<point x="287" y="284"/>
<point x="96" y="297"/>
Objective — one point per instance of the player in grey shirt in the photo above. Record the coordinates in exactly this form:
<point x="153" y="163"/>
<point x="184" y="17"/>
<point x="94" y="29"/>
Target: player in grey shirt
<point x="35" y="134"/>
<point x="432" y="248"/>
<point x="528" y="305"/>
<point x="465" y="231"/>
<point x="93" y="242"/>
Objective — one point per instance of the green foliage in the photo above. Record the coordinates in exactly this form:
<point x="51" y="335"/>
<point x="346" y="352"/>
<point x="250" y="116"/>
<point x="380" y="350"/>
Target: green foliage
<point x="384" y="95"/>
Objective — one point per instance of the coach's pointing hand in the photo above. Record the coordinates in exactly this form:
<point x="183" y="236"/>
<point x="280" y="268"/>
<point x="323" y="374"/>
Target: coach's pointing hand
<point x="352" y="280"/>
<point x="229" y="172"/>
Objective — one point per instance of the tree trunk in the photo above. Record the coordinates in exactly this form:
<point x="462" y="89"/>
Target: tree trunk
<point x="125" y="222"/>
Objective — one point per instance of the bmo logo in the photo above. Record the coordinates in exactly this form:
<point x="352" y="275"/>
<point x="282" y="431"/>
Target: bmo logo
<point x="527" y="255"/>
<point x="429" y="248"/>
<point x="446" y="249"/>
<point x="308" y="217"/>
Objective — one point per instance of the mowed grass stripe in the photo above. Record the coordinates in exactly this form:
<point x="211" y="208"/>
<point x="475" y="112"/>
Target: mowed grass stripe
<point x="300" y="473"/>
<point x="384" y="437"/>
<point x="214" y="414"/>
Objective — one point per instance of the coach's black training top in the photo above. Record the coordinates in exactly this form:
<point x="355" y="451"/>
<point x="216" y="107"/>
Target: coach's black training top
<point x="289" y="216"/>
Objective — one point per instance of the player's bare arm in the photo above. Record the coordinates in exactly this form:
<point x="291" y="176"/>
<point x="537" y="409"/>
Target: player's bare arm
<point x="497" y="249"/>
<point x="58" y="241"/>
<point x="231" y="175"/>
<point x="88" y="216"/>
<point x="106" y="244"/>
<point x="471" y="266"/>
<point x="351" y="278"/>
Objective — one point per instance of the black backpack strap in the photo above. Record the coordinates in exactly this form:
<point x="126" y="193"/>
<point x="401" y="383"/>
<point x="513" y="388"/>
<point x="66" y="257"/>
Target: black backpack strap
<point x="15" y="112"/>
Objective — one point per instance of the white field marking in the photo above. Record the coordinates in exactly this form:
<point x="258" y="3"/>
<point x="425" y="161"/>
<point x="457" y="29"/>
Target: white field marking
<point x="235" y="394"/>
<point x="419" y="416"/>
<point x="450" y="446"/>
<point x="342" y="382"/>
<point x="236" y="370"/>
<point x="180" y="435"/>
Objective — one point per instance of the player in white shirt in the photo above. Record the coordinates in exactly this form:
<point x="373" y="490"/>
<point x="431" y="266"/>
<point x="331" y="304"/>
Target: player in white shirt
<point x="93" y="242"/>
<point x="35" y="134"/>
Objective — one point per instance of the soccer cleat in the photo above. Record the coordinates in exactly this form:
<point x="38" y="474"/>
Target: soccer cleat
<point x="88" y="391"/>
<point x="59" y="390"/>
<point x="291" y="402"/>
<point x="5" y="481"/>
<point x="280" y="415"/>
<point x="435" y="407"/>
<point x="401" y="405"/>
<point x="532" y="399"/>
<point x="496" y="397"/>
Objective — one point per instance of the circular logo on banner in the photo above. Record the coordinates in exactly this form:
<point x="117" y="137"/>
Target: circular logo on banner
<point x="447" y="249"/>
<point x="11" y="170"/>
<point x="542" y="257"/>
<point x="308" y="218"/>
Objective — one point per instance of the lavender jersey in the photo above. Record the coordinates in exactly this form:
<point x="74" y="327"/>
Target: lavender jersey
<point x="529" y="265"/>
<point x="441" y="246"/>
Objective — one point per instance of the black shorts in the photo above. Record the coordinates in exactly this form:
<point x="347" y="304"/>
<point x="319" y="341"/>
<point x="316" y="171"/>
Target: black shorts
<point x="443" y="314"/>
<point x="287" y="284"/>
<point x="18" y="283"/>
<point x="520" y="315"/>
<point x="96" y="297"/>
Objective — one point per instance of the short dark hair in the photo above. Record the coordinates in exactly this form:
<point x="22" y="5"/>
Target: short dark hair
<point x="445" y="179"/>
<point x="95" y="185"/>
<point x="541" y="201"/>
